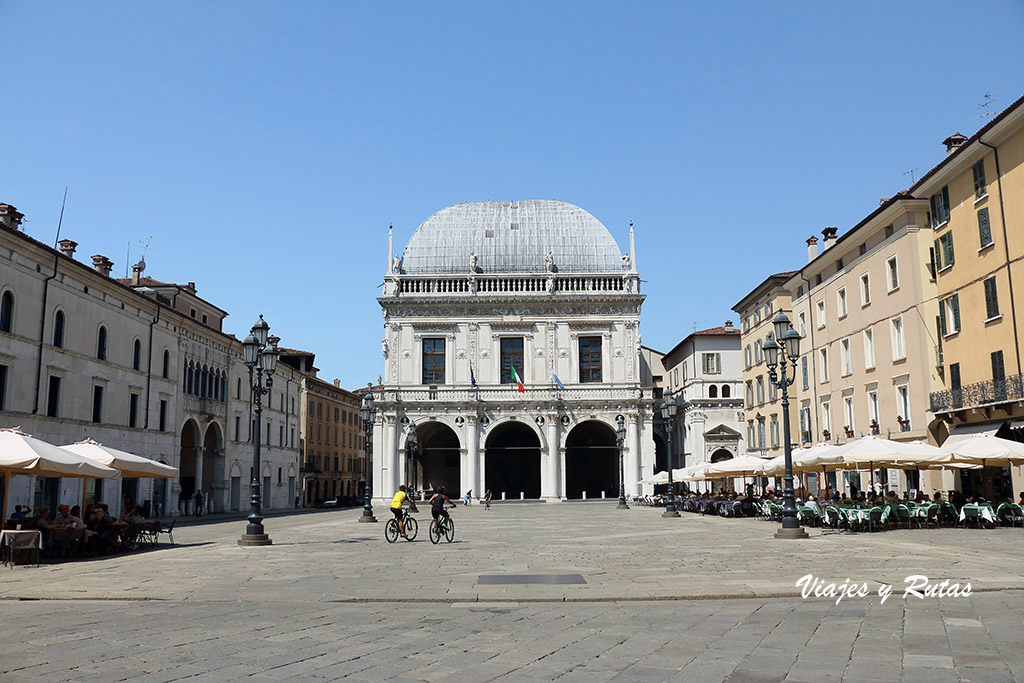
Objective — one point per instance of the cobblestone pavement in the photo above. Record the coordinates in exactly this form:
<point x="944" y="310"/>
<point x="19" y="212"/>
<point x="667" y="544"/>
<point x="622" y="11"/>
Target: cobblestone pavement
<point x="688" y="599"/>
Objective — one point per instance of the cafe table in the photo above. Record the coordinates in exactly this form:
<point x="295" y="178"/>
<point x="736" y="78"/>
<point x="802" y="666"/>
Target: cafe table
<point x="16" y="539"/>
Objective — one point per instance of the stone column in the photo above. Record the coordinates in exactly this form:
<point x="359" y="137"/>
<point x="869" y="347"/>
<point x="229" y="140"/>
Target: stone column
<point x="199" y="473"/>
<point x="391" y="455"/>
<point x="550" y="481"/>
<point x="472" y="477"/>
<point x="632" y="456"/>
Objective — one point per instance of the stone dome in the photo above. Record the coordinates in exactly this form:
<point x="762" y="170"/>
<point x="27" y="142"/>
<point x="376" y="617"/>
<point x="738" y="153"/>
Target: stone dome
<point x="511" y="237"/>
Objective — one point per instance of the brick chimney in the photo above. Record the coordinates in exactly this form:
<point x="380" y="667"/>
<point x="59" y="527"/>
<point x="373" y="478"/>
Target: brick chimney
<point x="102" y="264"/>
<point x="10" y="217"/>
<point x="830" y="237"/>
<point x="729" y="329"/>
<point x="67" y="247"/>
<point x="137" y="272"/>
<point x="954" y="142"/>
<point x="812" y="248"/>
<point x="337" y="383"/>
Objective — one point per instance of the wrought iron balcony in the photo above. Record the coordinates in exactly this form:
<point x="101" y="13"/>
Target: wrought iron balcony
<point x="989" y="392"/>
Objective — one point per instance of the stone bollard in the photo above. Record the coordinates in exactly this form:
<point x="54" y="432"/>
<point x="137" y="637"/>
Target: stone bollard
<point x="503" y="495"/>
<point x="604" y="495"/>
<point x="584" y="495"/>
<point x="522" y="495"/>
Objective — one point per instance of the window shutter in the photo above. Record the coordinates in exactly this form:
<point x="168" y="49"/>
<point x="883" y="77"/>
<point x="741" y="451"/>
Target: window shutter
<point x="955" y="306"/>
<point x="935" y="209"/>
<point x="991" y="298"/>
<point x="942" y="318"/>
<point x="984" y="227"/>
<point x="945" y="203"/>
<point x="998" y="370"/>
<point x="949" y="257"/>
<point x="938" y="256"/>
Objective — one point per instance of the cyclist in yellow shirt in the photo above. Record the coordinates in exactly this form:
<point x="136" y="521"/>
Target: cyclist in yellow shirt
<point x="396" y="507"/>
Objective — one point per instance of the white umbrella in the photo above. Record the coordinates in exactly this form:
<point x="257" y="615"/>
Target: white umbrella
<point x="875" y="451"/>
<point x="745" y="465"/>
<point x="984" y="450"/>
<point x="693" y="472"/>
<point x="659" y="478"/>
<point x="129" y="464"/>
<point x="20" y="453"/>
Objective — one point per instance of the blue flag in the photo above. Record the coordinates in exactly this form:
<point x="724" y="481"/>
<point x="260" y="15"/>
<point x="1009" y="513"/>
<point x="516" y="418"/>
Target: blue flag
<point x="557" y="381"/>
<point x="472" y="378"/>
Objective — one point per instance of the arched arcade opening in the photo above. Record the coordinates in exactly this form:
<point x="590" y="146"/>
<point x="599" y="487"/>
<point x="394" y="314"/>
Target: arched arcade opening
<point x="512" y="461"/>
<point x="436" y="461"/>
<point x="591" y="461"/>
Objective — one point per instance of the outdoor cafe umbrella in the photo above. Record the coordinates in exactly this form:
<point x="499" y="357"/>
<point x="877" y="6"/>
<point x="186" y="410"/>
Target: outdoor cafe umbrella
<point x="129" y="464"/>
<point x="984" y="450"/>
<point x="659" y="478"/>
<point x="20" y="453"/>
<point x="874" y="451"/>
<point x="743" y="466"/>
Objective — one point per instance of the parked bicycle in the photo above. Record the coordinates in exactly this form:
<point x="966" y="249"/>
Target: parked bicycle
<point x="444" y="526"/>
<point x="392" y="532"/>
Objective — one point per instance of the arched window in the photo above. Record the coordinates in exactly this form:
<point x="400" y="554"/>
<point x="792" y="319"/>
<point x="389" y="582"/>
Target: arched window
<point x="167" y="364"/>
<point x="204" y="383"/>
<point x="101" y="343"/>
<point x="712" y="391"/>
<point x="58" y="329"/>
<point x="137" y="355"/>
<point x="6" y="312"/>
<point x="725" y="391"/>
<point x="188" y="378"/>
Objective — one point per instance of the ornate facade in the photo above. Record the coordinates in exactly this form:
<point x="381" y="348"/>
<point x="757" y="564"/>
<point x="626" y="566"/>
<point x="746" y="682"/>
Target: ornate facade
<point x="512" y="348"/>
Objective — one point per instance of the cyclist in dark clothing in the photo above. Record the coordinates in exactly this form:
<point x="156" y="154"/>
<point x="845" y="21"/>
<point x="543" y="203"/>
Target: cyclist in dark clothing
<point x="437" y="503"/>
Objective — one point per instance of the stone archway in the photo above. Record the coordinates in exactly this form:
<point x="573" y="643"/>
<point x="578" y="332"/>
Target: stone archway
<point x="436" y="462"/>
<point x="512" y="461"/>
<point x="187" y="466"/>
<point x="213" y="462"/>
<point x="591" y="461"/>
<point x="720" y="455"/>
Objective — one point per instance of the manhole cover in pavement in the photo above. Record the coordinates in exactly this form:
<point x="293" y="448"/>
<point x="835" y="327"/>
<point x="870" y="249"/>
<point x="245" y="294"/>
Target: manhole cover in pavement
<point x="529" y="578"/>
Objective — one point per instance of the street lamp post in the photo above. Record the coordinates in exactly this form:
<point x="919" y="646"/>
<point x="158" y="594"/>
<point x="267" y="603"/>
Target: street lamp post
<point x="260" y="359"/>
<point x="668" y="414"/>
<point x="789" y="346"/>
<point x="368" y="413"/>
<point x="620" y="439"/>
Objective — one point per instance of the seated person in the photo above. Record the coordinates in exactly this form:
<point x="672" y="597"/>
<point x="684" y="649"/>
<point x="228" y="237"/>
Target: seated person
<point x="40" y="520"/>
<point x="63" y="517"/>
<point x="844" y="499"/>
<point x="937" y="498"/>
<point x="1021" y="501"/>
<point x="811" y="502"/>
<point x="101" y="540"/>
<point x="958" y="499"/>
<point x="135" y="515"/>
<point x="76" y="517"/>
<point x="21" y="512"/>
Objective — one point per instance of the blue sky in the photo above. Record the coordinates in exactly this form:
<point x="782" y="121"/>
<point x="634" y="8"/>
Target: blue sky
<point x="266" y="147"/>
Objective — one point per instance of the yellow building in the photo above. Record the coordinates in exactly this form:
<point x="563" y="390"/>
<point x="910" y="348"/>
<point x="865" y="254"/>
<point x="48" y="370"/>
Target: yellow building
<point x="762" y="402"/>
<point x="976" y="207"/>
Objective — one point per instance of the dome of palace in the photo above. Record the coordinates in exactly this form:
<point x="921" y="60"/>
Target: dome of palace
<point x="511" y="237"/>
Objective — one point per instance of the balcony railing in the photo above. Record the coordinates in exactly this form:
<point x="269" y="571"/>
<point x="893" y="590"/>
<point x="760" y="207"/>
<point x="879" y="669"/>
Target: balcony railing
<point x="978" y="394"/>
<point x="205" y="406"/>
<point x="502" y="394"/>
<point x="527" y="285"/>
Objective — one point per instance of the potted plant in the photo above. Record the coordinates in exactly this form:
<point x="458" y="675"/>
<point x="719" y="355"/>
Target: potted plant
<point x="805" y="436"/>
<point x="825" y="434"/>
<point x="849" y="431"/>
<point x="904" y="424"/>
<point x="874" y="426"/>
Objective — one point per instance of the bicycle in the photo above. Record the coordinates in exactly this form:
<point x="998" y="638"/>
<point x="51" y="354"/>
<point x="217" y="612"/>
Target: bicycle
<point x="392" y="532"/>
<point x="446" y="528"/>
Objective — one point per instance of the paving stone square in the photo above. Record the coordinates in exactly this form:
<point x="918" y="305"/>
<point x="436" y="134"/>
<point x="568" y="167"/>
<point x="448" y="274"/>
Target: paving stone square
<point x="689" y="599"/>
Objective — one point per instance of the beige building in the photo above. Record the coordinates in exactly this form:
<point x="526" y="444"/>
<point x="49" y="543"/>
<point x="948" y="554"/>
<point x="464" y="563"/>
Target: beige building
<point x="975" y="198"/>
<point x="331" y="436"/>
<point x="866" y="307"/>
<point x="136" y="364"/>
<point x="762" y="401"/>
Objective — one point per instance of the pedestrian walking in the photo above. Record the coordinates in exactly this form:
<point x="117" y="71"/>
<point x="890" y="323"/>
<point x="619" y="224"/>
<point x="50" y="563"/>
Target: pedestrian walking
<point x="197" y="501"/>
<point x="468" y="497"/>
<point x="487" y="500"/>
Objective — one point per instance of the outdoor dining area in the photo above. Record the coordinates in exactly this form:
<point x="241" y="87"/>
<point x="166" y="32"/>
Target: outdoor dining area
<point x="748" y="486"/>
<point x="66" y="533"/>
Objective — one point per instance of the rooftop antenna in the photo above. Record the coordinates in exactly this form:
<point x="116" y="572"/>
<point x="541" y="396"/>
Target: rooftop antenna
<point x="144" y="243"/>
<point x="911" y="174"/>
<point x="984" y="106"/>
<point x="60" y="220"/>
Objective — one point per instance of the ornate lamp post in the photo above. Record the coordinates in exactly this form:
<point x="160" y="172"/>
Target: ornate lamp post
<point x="790" y="348"/>
<point x="668" y="414"/>
<point x="620" y="439"/>
<point x="260" y="358"/>
<point x="412" y="442"/>
<point x="368" y="413"/>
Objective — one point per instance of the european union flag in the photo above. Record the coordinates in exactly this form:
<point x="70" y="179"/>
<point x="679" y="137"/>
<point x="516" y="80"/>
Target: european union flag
<point x="472" y="378"/>
<point x="557" y="381"/>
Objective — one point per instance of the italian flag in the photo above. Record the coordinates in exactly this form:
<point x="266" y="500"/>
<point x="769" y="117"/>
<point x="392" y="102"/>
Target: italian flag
<point x="519" y="381"/>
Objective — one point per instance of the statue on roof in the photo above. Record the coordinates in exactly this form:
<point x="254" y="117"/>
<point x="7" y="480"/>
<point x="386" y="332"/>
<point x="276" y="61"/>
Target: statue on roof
<point x="472" y="262"/>
<point x="549" y="262"/>
<point x="396" y="265"/>
<point x="626" y="262"/>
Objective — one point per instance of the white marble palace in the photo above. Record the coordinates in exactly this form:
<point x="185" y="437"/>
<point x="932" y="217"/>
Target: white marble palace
<point x="512" y="349"/>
